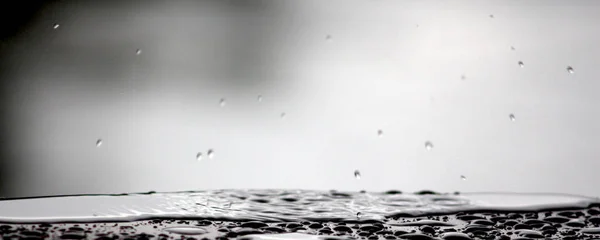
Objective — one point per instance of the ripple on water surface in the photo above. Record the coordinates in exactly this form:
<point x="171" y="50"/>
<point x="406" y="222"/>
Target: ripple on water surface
<point x="286" y="214"/>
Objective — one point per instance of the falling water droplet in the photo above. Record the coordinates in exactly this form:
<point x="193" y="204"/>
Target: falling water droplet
<point x="463" y="77"/>
<point x="380" y="133"/>
<point x="521" y="64"/>
<point x="56" y="25"/>
<point x="570" y="69"/>
<point x="328" y="37"/>
<point x="358" y="215"/>
<point x="491" y="15"/>
<point x="512" y="48"/>
<point x="138" y="51"/>
<point x="222" y="102"/>
<point x="512" y="117"/>
<point x="463" y="177"/>
<point x="210" y="153"/>
<point x="98" y="142"/>
<point x="428" y="145"/>
<point x="282" y="115"/>
<point x="198" y="156"/>
<point x="259" y="98"/>
<point x="356" y="174"/>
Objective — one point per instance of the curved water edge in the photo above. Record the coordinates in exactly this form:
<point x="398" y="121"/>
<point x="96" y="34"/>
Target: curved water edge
<point x="276" y="205"/>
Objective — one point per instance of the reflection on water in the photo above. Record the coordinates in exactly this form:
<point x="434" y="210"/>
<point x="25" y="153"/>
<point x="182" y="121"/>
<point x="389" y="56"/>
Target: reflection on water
<point x="279" y="214"/>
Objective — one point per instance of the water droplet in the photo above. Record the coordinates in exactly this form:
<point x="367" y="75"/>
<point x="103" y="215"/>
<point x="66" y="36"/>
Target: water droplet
<point x="463" y="177"/>
<point x="521" y="64"/>
<point x="138" y="51"/>
<point x="210" y="153"/>
<point x="428" y="145"/>
<point x="259" y="98"/>
<point x="198" y="156"/>
<point x="463" y="77"/>
<point x="512" y="48"/>
<point x="356" y="174"/>
<point x="56" y="25"/>
<point x="222" y="102"/>
<point x="358" y="215"/>
<point x="328" y="37"/>
<point x="512" y="117"/>
<point x="570" y="69"/>
<point x="282" y="115"/>
<point x="491" y="15"/>
<point x="98" y="142"/>
<point x="380" y="133"/>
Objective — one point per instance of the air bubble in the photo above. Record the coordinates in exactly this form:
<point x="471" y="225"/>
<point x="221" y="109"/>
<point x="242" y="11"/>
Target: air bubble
<point x="138" y="51"/>
<point x="521" y="64"/>
<point x="222" y="102"/>
<point x="98" y="142"/>
<point x="512" y="117"/>
<point x="356" y="174"/>
<point x="56" y="26"/>
<point x="210" y="153"/>
<point x="198" y="156"/>
<point x="570" y="69"/>
<point x="428" y="145"/>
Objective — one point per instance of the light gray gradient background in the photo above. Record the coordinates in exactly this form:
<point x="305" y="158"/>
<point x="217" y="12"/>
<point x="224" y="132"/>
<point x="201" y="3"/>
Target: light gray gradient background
<point x="390" y="65"/>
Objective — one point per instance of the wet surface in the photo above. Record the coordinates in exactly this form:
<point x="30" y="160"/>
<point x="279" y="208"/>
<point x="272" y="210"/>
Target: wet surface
<point x="314" y="215"/>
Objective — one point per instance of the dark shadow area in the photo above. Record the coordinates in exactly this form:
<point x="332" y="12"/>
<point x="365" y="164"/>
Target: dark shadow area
<point x="15" y="19"/>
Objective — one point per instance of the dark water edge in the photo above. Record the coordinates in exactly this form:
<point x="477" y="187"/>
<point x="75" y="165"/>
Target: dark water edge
<point x="562" y="224"/>
<point x="301" y="214"/>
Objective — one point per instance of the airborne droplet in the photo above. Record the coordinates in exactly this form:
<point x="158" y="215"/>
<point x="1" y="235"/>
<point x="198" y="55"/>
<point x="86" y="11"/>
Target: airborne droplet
<point x="222" y="102"/>
<point x="210" y="153"/>
<point x="380" y="133"/>
<point x="521" y="64"/>
<point x="512" y="117"/>
<point x="463" y="177"/>
<point x="428" y="145"/>
<point x="198" y="156"/>
<point x="358" y="215"/>
<point x="259" y="98"/>
<point x="570" y="70"/>
<point x="282" y="115"/>
<point x="56" y="25"/>
<point x="98" y="142"/>
<point x="138" y="51"/>
<point x="356" y="174"/>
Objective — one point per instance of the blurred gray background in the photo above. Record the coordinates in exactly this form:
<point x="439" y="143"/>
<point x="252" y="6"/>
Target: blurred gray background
<point x="440" y="71"/>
